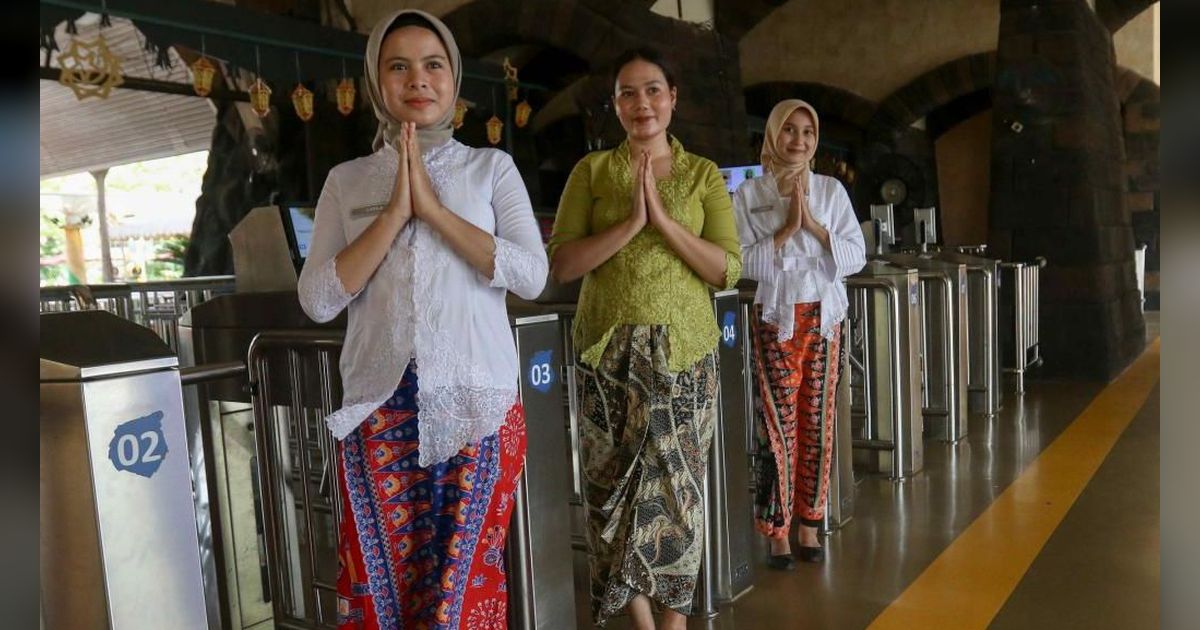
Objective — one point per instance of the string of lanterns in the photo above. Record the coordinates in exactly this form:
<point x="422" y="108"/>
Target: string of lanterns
<point x="91" y="70"/>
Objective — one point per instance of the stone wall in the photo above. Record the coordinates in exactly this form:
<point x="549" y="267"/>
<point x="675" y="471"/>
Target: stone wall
<point x="1140" y="121"/>
<point x="1058" y="186"/>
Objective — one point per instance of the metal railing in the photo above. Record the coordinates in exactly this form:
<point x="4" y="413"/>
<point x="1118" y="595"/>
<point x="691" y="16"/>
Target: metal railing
<point x="293" y="380"/>
<point x="1019" y="296"/>
<point x="157" y="305"/>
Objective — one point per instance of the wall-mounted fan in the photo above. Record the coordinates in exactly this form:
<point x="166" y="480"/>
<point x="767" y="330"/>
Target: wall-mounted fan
<point x="893" y="191"/>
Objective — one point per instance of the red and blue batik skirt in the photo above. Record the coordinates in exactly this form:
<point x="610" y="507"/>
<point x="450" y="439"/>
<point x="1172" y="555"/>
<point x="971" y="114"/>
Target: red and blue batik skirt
<point x="424" y="546"/>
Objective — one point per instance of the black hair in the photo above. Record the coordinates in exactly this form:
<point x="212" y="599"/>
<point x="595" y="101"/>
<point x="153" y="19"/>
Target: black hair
<point x="648" y="54"/>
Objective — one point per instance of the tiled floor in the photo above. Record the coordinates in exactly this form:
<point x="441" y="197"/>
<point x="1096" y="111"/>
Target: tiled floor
<point x="1099" y="569"/>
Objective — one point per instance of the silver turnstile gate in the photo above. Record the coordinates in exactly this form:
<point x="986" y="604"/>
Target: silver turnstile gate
<point x="943" y="347"/>
<point x="885" y="332"/>
<point x="983" y="342"/>
<point x="537" y="553"/>
<point x="541" y="589"/>
<point x="727" y="569"/>
<point x="119" y="546"/>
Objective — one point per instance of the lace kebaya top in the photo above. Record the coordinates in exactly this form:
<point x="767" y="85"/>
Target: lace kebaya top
<point x="646" y="282"/>
<point x="424" y="302"/>
<point x="801" y="271"/>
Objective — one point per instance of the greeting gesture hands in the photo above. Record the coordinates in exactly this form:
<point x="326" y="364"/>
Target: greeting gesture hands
<point x="637" y="217"/>
<point x="798" y="207"/>
<point x="399" y="205"/>
<point x="808" y="221"/>
<point x="655" y="212"/>
<point x="424" y="197"/>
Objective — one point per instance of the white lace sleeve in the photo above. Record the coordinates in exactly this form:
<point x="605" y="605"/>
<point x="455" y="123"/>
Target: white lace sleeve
<point x="520" y="265"/>
<point x="322" y="295"/>
<point x="517" y="270"/>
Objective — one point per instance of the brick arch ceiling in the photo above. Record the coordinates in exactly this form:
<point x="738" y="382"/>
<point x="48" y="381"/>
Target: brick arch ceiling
<point x="843" y="104"/>
<point x="933" y="89"/>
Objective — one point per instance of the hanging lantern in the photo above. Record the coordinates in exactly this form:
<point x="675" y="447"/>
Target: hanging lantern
<point x="202" y="76"/>
<point x="510" y="79"/>
<point x="522" y="114"/>
<point x="260" y="98"/>
<point x="302" y="100"/>
<point x="345" y="96"/>
<point x="460" y="113"/>
<point x="90" y="69"/>
<point x="494" y="127"/>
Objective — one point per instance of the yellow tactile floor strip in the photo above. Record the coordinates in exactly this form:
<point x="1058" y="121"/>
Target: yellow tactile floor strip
<point x="967" y="584"/>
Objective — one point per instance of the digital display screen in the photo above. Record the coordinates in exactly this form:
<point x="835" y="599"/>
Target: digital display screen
<point x="735" y="175"/>
<point x="302" y="227"/>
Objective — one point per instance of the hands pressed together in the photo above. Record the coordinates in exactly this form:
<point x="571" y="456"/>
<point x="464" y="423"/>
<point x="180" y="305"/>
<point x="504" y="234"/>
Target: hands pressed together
<point x="800" y="216"/>
<point x="412" y="193"/>
<point x="647" y="205"/>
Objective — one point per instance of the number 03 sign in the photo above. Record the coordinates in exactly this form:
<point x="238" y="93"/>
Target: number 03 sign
<point x="139" y="446"/>
<point x="540" y="376"/>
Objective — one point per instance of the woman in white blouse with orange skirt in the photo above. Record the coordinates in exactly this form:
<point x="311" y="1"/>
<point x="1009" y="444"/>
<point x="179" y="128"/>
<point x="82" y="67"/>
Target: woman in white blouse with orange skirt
<point x="420" y="241"/>
<point x="799" y="238"/>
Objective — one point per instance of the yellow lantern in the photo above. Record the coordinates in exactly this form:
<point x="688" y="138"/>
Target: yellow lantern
<point x="302" y="100"/>
<point x="202" y="76"/>
<point x="260" y="98"/>
<point x="494" y="127"/>
<point x="345" y="96"/>
<point x="460" y="113"/>
<point x="522" y="113"/>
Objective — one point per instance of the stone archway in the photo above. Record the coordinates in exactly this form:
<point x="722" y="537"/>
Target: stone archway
<point x="710" y="114"/>
<point x="827" y="100"/>
<point x="938" y="87"/>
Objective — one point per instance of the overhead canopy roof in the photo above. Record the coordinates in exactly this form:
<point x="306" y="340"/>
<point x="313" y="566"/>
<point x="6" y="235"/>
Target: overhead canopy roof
<point x="128" y="126"/>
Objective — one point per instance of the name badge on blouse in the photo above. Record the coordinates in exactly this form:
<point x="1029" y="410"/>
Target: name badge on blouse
<point x="366" y="211"/>
<point x="761" y="209"/>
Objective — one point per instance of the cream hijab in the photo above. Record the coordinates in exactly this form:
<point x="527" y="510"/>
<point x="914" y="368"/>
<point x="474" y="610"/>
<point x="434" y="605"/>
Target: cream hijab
<point x="389" y="126"/>
<point x="774" y="160"/>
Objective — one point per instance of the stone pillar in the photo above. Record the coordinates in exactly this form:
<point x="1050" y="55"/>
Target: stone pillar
<point x="1057" y="186"/>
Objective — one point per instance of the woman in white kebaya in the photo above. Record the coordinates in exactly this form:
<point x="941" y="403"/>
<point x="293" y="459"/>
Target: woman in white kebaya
<point x="420" y="241"/>
<point x="799" y="239"/>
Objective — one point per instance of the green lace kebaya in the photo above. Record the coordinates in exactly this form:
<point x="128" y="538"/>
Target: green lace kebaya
<point x="646" y="282"/>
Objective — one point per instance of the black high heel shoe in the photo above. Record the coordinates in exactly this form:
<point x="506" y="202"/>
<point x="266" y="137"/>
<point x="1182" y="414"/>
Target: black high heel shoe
<point x="812" y="554"/>
<point x="786" y="562"/>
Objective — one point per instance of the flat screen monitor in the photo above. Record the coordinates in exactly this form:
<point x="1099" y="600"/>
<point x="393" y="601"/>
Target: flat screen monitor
<point x="298" y="226"/>
<point x="735" y="175"/>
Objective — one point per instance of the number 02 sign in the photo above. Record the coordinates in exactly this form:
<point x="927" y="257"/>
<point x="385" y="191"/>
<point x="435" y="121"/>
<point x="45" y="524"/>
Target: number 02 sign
<point x="139" y="446"/>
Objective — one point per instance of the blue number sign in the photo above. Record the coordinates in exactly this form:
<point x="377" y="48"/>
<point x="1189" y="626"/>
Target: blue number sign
<point x="728" y="329"/>
<point x="541" y="377"/>
<point x="139" y="446"/>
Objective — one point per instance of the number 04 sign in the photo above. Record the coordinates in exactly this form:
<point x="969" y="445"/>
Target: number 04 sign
<point x="139" y="446"/>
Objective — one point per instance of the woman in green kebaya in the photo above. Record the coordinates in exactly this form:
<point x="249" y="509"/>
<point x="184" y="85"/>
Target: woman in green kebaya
<point x="650" y="229"/>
